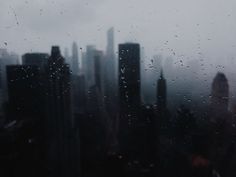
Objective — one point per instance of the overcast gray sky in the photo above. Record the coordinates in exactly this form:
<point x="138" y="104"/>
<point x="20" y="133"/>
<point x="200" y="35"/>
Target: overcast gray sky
<point x="189" y="28"/>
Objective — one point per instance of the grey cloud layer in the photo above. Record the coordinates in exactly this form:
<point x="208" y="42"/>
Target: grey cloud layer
<point x="187" y="25"/>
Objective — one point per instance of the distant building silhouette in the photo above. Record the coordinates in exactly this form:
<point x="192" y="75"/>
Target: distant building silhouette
<point x="220" y="93"/>
<point x="110" y="44"/>
<point x="222" y="129"/>
<point x="81" y="93"/>
<point x="110" y="74"/>
<point x="6" y="58"/>
<point x="68" y="58"/>
<point x="75" y="59"/>
<point x="110" y="60"/>
<point x="161" y="93"/>
<point x="98" y="59"/>
<point x="24" y="92"/>
<point x="88" y="65"/>
<point x="60" y="123"/>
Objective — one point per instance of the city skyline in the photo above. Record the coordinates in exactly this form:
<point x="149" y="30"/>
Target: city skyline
<point x="106" y="88"/>
<point x="75" y="126"/>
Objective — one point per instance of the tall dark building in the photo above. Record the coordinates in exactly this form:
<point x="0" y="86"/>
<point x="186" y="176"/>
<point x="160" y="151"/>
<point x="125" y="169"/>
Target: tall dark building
<point x="129" y="94"/>
<point x="81" y="92"/>
<point x="98" y="57"/>
<point x="60" y="122"/>
<point x="220" y="93"/>
<point x="24" y="92"/>
<point x="75" y="59"/>
<point x="36" y="59"/>
<point x="78" y="94"/>
<point x="129" y="79"/>
<point x="161" y="93"/>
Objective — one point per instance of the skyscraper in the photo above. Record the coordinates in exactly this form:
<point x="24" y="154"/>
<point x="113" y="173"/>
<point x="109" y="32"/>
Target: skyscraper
<point x="161" y="93"/>
<point x="129" y="93"/>
<point x="60" y="122"/>
<point x="98" y="57"/>
<point x="110" y="70"/>
<point x="26" y="107"/>
<point x="220" y="94"/>
<point x="110" y="61"/>
<point x="6" y="58"/>
<point x="110" y="43"/>
<point x="129" y="78"/>
<point x="88" y="65"/>
<point x="75" y="59"/>
<point x="24" y="92"/>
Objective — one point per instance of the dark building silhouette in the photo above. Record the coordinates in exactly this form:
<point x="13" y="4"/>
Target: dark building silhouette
<point x="62" y="145"/>
<point x="98" y="57"/>
<point x="110" y="75"/>
<point x="129" y="94"/>
<point x="161" y="107"/>
<point x="93" y="125"/>
<point x="75" y="59"/>
<point x="221" y="126"/>
<point x="110" y="44"/>
<point x="36" y="59"/>
<point x="6" y="58"/>
<point x="110" y="60"/>
<point x="111" y="79"/>
<point x="79" y="93"/>
<point x="88" y="65"/>
<point x="24" y="92"/>
<point x="26" y="118"/>
<point x="161" y="93"/>
<point x="220" y="93"/>
<point x="129" y="80"/>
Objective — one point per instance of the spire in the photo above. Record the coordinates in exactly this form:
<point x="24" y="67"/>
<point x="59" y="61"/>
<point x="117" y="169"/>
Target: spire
<point x="161" y="91"/>
<point x="161" y="74"/>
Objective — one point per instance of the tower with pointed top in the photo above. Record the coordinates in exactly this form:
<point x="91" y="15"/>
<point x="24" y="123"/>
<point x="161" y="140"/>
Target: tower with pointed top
<point x="161" y="92"/>
<point x="220" y="93"/>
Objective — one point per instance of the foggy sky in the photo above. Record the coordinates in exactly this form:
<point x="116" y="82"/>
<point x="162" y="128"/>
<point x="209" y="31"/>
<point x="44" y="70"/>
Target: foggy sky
<point x="190" y="29"/>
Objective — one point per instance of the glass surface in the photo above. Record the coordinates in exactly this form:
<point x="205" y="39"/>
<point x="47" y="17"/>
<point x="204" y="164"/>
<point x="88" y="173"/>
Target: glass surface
<point x="108" y="88"/>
